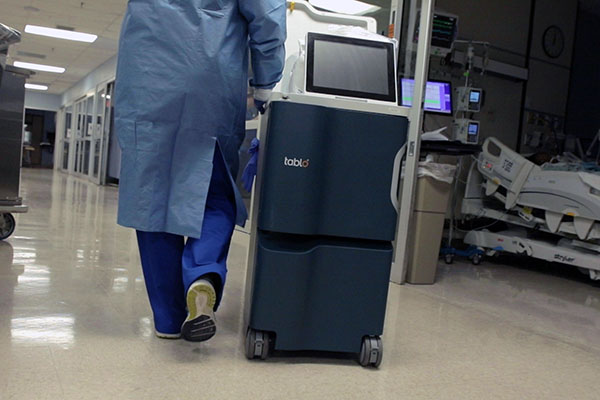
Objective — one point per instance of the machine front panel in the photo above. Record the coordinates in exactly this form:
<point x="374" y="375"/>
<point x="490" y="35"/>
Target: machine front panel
<point x="329" y="172"/>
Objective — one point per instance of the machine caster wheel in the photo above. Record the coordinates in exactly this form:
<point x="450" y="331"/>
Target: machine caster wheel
<point x="257" y="344"/>
<point x="371" y="351"/>
<point x="476" y="260"/>
<point x="7" y="225"/>
<point x="449" y="258"/>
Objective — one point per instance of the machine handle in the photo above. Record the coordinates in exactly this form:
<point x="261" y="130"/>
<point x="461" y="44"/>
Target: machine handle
<point x="396" y="176"/>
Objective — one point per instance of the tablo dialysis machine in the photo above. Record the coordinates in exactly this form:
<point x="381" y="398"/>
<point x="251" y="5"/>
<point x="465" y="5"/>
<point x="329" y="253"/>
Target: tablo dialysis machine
<point x="325" y="204"/>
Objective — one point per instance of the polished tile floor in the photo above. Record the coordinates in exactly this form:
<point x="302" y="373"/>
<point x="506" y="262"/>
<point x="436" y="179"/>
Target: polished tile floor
<point x="75" y="324"/>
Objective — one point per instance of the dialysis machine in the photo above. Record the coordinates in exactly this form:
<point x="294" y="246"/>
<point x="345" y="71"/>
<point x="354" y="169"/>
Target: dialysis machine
<point x="325" y="205"/>
<point x="12" y="99"/>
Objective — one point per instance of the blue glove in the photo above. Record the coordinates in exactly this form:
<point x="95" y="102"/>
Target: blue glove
<point x="261" y="106"/>
<point x="250" y="170"/>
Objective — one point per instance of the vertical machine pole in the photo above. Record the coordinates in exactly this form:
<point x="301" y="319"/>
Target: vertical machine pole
<point x="403" y="230"/>
<point x="395" y="27"/>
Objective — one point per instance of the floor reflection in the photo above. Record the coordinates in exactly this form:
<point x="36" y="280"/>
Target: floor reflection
<point x="75" y="323"/>
<point x="47" y="329"/>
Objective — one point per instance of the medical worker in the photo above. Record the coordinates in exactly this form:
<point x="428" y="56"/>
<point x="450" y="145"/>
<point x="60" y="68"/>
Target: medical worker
<point x="180" y="106"/>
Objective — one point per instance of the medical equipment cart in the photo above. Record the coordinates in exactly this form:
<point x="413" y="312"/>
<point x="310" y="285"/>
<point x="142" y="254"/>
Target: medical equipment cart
<point x="325" y="204"/>
<point x="12" y="98"/>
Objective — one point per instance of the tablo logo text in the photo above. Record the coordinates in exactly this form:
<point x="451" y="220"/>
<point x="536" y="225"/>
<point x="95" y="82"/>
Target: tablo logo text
<point x="296" y="163"/>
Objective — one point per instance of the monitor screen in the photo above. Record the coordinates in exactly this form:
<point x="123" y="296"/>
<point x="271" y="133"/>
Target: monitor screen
<point x="473" y="133"/>
<point x="438" y="96"/>
<point x="444" y="31"/>
<point x="475" y="97"/>
<point x="350" y="67"/>
<point x="473" y="128"/>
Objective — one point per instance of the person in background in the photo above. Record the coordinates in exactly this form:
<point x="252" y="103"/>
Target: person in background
<point x="180" y="106"/>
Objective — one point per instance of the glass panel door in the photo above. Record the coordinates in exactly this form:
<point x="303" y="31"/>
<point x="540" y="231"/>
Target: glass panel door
<point x="111" y="156"/>
<point x="86" y="136"/>
<point x="102" y="128"/>
<point x="67" y="138"/>
<point x="79" y="126"/>
<point x="80" y="136"/>
<point x="97" y="135"/>
<point x="83" y="135"/>
<point x="88" y="130"/>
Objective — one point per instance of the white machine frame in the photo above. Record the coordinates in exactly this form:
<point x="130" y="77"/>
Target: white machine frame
<point x="404" y="227"/>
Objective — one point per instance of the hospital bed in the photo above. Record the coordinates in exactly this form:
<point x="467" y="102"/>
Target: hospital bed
<point x="553" y="211"/>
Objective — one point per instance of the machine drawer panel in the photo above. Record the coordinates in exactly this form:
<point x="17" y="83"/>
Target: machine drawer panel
<point x="320" y="294"/>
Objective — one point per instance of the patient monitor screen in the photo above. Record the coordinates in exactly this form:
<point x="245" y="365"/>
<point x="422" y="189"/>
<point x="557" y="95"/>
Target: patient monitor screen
<point x="350" y="67"/>
<point x="475" y="96"/>
<point x="444" y="31"/>
<point x="438" y="96"/>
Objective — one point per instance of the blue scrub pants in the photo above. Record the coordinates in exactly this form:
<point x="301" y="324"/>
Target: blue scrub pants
<point x="171" y="264"/>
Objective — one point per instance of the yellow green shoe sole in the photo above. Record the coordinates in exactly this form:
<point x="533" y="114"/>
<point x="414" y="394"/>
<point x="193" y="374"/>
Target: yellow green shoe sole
<point x="200" y="323"/>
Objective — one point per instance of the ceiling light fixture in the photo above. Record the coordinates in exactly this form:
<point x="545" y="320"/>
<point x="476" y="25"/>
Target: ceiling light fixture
<point x="39" y="67"/>
<point x="60" y="34"/>
<point x="33" y="86"/>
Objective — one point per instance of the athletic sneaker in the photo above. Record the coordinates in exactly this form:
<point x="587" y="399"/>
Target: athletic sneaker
<point x="200" y="322"/>
<point x="167" y="335"/>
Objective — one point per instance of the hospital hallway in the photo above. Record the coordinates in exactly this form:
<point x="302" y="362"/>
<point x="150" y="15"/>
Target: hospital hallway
<point x="75" y="324"/>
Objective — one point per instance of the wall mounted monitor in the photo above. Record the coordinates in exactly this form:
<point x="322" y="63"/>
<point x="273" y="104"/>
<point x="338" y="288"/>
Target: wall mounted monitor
<point x="350" y="67"/>
<point x="438" y="96"/>
<point x="444" y="32"/>
<point x="445" y="29"/>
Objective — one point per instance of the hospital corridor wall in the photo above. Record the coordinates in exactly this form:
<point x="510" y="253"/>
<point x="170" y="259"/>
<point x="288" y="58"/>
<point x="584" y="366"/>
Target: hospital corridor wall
<point x="506" y="25"/>
<point x="583" y="118"/>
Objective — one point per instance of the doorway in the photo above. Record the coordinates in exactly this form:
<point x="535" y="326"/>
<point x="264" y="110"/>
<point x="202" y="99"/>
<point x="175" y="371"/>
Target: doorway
<point x="39" y="139"/>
